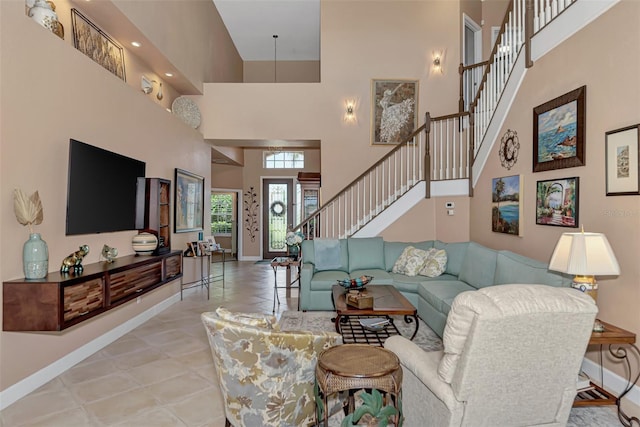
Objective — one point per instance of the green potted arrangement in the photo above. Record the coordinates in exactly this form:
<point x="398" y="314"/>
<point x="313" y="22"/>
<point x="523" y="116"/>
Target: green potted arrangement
<point x="371" y="412"/>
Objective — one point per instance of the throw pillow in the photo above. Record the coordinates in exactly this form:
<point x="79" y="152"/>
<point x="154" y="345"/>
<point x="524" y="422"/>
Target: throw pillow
<point x="410" y="261"/>
<point x="436" y="263"/>
<point x="258" y="320"/>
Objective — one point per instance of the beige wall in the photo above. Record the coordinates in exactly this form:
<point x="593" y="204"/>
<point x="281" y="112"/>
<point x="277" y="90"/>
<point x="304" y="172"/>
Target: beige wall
<point x="226" y="176"/>
<point x="283" y="72"/>
<point x="50" y="93"/>
<point x="493" y="12"/>
<point x="394" y="41"/>
<point x="613" y="92"/>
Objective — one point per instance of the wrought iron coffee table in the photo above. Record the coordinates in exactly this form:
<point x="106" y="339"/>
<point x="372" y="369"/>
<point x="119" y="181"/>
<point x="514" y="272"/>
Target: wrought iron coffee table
<point x="387" y="302"/>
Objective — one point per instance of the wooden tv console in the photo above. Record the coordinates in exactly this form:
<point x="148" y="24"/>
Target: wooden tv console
<point x="62" y="300"/>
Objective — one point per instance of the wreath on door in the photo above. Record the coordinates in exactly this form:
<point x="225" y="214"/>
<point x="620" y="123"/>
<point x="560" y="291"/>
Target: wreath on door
<point x="277" y="208"/>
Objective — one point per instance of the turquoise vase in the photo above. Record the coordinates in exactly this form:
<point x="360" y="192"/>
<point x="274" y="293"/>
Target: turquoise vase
<point x="35" y="257"/>
<point x="294" y="251"/>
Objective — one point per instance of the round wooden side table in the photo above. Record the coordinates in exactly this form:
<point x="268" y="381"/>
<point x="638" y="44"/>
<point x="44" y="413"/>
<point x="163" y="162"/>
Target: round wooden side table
<point x="354" y="367"/>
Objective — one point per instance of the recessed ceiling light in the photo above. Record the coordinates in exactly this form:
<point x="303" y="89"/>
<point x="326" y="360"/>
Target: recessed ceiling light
<point x="168" y="74"/>
<point x="136" y="44"/>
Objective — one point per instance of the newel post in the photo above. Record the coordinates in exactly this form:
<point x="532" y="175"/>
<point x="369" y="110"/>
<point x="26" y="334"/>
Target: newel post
<point x="528" y="32"/>
<point x="427" y="155"/>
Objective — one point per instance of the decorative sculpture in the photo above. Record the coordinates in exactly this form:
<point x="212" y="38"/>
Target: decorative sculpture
<point x="73" y="262"/>
<point x="109" y="253"/>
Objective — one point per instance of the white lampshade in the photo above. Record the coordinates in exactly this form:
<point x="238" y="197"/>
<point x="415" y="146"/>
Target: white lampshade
<point x="585" y="254"/>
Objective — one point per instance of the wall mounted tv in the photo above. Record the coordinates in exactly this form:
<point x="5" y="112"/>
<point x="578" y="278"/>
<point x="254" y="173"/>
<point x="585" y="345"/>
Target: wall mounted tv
<point x="101" y="192"/>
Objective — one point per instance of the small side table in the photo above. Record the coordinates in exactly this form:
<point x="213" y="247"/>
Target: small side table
<point x="287" y="263"/>
<point x="205" y="273"/>
<point x="619" y="341"/>
<point x="359" y="366"/>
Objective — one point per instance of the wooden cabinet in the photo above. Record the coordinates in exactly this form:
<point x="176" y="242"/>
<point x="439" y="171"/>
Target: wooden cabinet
<point x="61" y="300"/>
<point x="153" y="210"/>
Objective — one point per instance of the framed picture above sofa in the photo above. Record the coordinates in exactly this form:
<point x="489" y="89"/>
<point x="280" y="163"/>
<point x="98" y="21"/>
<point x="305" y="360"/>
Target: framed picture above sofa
<point x="623" y="172"/>
<point x="394" y="110"/>
<point x="506" y="209"/>
<point x="559" y="132"/>
<point x="557" y="202"/>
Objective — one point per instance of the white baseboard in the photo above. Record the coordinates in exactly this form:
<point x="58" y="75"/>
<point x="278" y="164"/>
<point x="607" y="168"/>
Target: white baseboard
<point x="612" y="382"/>
<point x="46" y="374"/>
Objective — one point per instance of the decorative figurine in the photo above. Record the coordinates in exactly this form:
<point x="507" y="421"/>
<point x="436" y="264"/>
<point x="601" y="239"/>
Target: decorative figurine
<point x="109" y="253"/>
<point x="74" y="261"/>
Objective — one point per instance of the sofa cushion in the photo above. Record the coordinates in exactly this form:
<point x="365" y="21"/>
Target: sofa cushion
<point x="365" y="253"/>
<point x="479" y="266"/>
<point x="393" y="250"/>
<point x="436" y="263"/>
<point x="308" y="255"/>
<point x="514" y="268"/>
<point x="455" y="255"/>
<point x="324" y="280"/>
<point x="410" y="261"/>
<point x="441" y="293"/>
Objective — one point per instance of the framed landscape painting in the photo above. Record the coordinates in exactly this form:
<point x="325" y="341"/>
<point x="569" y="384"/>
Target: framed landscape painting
<point x="506" y="208"/>
<point x="189" y="202"/>
<point x="394" y="110"/>
<point x="558" y="132"/>
<point x="557" y="202"/>
<point x="623" y="172"/>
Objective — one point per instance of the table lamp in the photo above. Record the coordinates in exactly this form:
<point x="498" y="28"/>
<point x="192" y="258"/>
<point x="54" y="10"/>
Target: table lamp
<point x="584" y="255"/>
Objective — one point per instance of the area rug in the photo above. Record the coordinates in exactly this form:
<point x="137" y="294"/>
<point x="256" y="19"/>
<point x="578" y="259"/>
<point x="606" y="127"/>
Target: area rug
<point x="321" y="321"/>
<point x="591" y="416"/>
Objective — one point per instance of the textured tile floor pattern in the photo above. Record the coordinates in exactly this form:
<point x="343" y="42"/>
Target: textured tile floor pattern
<point x="161" y="373"/>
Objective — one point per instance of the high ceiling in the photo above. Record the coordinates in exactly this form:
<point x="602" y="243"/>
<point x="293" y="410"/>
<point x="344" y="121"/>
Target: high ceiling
<point x="253" y="23"/>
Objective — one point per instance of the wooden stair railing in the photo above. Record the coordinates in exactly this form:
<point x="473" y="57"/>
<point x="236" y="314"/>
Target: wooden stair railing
<point x="450" y="142"/>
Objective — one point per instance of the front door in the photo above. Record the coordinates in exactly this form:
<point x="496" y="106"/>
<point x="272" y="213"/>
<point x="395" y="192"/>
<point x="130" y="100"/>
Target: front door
<point x="277" y="215"/>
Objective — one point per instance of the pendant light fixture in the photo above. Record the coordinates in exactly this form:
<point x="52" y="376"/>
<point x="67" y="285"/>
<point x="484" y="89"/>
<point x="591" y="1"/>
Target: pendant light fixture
<point x="275" y="58"/>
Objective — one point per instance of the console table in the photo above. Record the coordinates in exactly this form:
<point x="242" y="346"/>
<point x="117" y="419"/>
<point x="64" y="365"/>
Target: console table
<point x="287" y="263"/>
<point x="619" y="341"/>
<point x="62" y="300"/>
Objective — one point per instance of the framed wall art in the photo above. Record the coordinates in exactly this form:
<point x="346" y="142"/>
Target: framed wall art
<point x="557" y="202"/>
<point x="97" y="45"/>
<point x="506" y="209"/>
<point x="623" y="172"/>
<point x="394" y="110"/>
<point x="559" y="132"/>
<point x="189" y="202"/>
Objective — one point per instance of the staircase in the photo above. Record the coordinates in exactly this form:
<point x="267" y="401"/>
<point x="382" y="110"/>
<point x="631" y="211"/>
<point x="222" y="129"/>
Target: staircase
<point x="446" y="155"/>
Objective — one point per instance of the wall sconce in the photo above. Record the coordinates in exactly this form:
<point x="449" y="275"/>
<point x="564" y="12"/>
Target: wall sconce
<point x="147" y="87"/>
<point x="438" y="59"/>
<point x="350" y="111"/>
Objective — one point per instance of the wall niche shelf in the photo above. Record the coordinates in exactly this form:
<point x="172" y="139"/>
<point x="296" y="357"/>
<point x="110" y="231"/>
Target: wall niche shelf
<point x="62" y="300"/>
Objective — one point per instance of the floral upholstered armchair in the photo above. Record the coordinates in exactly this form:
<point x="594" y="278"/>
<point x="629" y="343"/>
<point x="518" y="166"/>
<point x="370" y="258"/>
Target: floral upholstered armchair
<point x="266" y="376"/>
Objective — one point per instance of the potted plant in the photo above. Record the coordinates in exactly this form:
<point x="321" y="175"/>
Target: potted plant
<point x="371" y="411"/>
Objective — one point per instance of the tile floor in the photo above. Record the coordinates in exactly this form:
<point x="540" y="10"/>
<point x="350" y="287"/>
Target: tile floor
<point x="159" y="374"/>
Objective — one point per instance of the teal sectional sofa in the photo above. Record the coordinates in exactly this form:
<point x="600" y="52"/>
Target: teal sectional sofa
<point x="470" y="266"/>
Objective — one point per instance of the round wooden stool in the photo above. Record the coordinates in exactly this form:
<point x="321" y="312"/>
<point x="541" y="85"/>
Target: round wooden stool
<point x="359" y="366"/>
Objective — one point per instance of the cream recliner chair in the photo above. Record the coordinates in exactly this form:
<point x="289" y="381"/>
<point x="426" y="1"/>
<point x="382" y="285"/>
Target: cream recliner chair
<point x="266" y="376"/>
<point x="511" y="357"/>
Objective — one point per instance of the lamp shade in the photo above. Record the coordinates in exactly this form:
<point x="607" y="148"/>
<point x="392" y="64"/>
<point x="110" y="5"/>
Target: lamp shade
<point x="585" y="254"/>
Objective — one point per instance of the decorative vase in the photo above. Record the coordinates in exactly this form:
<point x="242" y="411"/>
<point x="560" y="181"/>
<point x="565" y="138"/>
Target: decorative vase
<point x="144" y="243"/>
<point x="294" y="252"/>
<point x="42" y="12"/>
<point x="35" y="257"/>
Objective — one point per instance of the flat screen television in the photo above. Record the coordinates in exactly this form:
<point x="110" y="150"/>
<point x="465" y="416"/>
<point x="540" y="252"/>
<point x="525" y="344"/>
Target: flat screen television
<point x="101" y="191"/>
